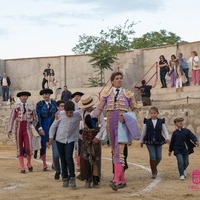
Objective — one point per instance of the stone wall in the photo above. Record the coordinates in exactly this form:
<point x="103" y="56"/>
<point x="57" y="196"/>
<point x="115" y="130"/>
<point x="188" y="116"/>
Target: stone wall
<point x="188" y="111"/>
<point x="74" y="70"/>
<point x="4" y="119"/>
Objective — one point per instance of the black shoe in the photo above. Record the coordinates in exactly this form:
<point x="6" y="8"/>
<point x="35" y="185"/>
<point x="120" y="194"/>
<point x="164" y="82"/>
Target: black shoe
<point x="121" y="185"/>
<point x="113" y="186"/>
<point x="30" y="169"/>
<point x="23" y="171"/>
<point x="45" y="169"/>
<point x="186" y="83"/>
<point x="57" y="176"/>
<point x="65" y="182"/>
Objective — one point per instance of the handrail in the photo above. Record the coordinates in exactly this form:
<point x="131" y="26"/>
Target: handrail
<point x="116" y="70"/>
<point x="133" y="87"/>
<point x="154" y="74"/>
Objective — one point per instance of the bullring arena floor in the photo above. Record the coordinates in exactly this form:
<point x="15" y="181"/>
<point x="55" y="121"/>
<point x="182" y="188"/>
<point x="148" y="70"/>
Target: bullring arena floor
<point x="41" y="185"/>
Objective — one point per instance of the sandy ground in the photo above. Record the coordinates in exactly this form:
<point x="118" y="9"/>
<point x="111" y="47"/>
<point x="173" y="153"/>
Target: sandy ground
<point x="41" y="185"/>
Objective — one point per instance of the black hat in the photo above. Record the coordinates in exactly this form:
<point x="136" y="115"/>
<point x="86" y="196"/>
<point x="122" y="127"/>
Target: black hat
<point x="90" y="122"/>
<point x="46" y="91"/>
<point x="77" y="93"/>
<point x="23" y="93"/>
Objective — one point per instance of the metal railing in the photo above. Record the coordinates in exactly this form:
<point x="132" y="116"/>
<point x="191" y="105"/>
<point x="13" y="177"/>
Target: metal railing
<point x="178" y="99"/>
<point x="155" y="74"/>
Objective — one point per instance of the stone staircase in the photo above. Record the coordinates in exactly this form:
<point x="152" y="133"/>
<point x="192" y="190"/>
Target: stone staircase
<point x="188" y="95"/>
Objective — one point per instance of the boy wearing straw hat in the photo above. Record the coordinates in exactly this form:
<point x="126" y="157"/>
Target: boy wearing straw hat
<point x="93" y="129"/>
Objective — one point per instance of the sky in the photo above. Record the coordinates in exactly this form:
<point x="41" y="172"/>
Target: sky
<point x="37" y="28"/>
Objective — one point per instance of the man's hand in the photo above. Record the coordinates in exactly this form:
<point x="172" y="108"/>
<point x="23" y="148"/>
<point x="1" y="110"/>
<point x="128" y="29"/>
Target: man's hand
<point x="41" y="132"/>
<point x="167" y="141"/>
<point x="197" y="143"/>
<point x="95" y="140"/>
<point x="121" y="119"/>
<point x="50" y="142"/>
<point x="57" y="116"/>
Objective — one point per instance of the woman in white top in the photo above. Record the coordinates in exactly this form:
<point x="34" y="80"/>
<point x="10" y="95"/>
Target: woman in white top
<point x="195" y="65"/>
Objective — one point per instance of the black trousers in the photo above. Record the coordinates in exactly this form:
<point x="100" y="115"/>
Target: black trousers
<point x="44" y="81"/>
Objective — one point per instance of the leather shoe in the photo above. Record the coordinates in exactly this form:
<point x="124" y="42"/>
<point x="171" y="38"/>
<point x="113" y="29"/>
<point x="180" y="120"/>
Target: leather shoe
<point x="121" y="185"/>
<point x="113" y="186"/>
<point x="23" y="171"/>
<point x="30" y="169"/>
<point x="45" y="169"/>
<point x="57" y="176"/>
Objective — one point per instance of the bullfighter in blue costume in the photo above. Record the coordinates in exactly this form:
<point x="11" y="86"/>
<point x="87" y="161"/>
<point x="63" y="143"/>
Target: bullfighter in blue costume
<point x="45" y="108"/>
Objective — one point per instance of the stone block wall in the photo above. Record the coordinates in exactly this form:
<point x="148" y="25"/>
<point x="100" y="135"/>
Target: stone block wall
<point x="188" y="111"/>
<point x="4" y="119"/>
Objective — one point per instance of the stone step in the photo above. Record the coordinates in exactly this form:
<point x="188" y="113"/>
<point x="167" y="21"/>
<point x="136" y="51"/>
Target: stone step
<point x="190" y="93"/>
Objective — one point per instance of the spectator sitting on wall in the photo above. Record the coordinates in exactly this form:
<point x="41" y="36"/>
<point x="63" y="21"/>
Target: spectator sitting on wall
<point x="145" y="93"/>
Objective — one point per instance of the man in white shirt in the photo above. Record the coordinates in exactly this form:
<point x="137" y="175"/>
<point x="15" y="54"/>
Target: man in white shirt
<point x="5" y="83"/>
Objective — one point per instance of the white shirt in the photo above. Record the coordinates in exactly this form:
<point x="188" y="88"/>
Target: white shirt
<point x="114" y="90"/>
<point x="4" y="82"/>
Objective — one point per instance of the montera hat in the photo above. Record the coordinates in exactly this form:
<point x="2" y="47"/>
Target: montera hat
<point x="77" y="93"/>
<point x="23" y="93"/>
<point x="46" y="91"/>
<point x="178" y="119"/>
<point x="87" y="100"/>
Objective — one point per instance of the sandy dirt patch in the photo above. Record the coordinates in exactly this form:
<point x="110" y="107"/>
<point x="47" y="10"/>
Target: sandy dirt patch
<point x="41" y="185"/>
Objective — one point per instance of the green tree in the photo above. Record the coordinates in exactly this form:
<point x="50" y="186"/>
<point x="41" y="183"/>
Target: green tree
<point x="119" y="38"/>
<point x="153" y="39"/>
<point x="103" y="49"/>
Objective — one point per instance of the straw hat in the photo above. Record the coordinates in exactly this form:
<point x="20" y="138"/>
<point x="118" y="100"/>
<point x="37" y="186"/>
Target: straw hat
<point x="87" y="100"/>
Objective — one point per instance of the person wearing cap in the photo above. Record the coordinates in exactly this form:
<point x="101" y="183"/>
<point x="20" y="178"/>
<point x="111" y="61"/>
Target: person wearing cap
<point x="93" y="134"/>
<point x="182" y="143"/>
<point x="118" y="101"/>
<point x="76" y="96"/>
<point x="45" y="108"/>
<point x="25" y="117"/>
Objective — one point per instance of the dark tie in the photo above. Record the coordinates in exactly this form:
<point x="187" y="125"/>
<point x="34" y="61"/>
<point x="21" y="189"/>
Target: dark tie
<point x="24" y="107"/>
<point x="116" y="95"/>
<point x="49" y="106"/>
